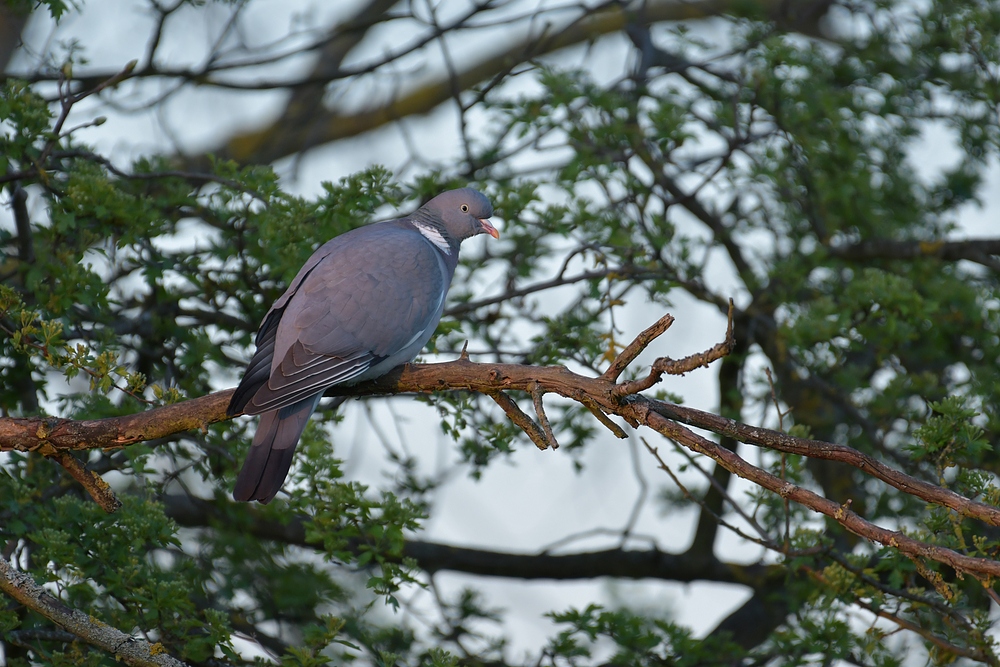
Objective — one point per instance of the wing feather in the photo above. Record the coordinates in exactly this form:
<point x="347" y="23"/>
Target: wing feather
<point x="365" y="297"/>
<point x="284" y="390"/>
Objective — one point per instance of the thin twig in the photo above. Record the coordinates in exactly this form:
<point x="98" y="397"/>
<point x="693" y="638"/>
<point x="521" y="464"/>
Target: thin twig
<point x="666" y="365"/>
<point x="724" y="494"/>
<point x="68" y="99"/>
<point x="982" y="655"/>
<point x="517" y="415"/>
<point x="536" y="397"/>
<point x="596" y="410"/>
<point x="633" y="349"/>
<point x="662" y="465"/>
<point x="784" y="456"/>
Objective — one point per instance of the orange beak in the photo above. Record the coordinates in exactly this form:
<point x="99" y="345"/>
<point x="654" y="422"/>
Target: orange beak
<point x="488" y="228"/>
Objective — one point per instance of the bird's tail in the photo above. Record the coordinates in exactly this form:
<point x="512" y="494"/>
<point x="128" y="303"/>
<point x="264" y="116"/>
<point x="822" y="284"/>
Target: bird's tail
<point x="271" y="453"/>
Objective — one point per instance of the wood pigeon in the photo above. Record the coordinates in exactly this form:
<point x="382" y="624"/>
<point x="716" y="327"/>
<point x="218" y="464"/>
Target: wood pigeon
<point x="366" y="302"/>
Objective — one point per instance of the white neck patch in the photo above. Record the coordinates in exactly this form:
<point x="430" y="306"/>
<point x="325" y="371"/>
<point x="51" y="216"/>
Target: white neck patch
<point x="434" y="236"/>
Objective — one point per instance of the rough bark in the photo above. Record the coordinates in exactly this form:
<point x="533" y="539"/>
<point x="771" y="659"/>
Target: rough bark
<point x="601" y="393"/>
<point x="126" y="648"/>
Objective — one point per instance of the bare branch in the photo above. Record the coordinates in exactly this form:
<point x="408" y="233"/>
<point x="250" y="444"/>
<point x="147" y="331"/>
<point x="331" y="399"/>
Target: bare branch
<point x="596" y="410"/>
<point x="536" y="398"/>
<point x="518" y="416"/>
<point x="827" y="451"/>
<point x="680" y="366"/>
<point x="842" y="514"/>
<point x="493" y="380"/>
<point x="633" y="349"/>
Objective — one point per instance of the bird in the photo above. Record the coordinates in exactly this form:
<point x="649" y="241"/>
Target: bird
<point x="366" y="302"/>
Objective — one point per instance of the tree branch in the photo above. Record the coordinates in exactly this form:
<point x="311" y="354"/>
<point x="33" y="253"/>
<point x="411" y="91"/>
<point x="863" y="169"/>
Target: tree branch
<point x="981" y="251"/>
<point x="434" y="557"/>
<point x="126" y="648"/>
<point x="30" y="434"/>
<point x="89" y="480"/>
<point x="666" y="365"/>
<point x="519" y="417"/>
<point x="633" y="349"/>
<point x="842" y="514"/>
<point x="827" y="451"/>
<point x="281" y="139"/>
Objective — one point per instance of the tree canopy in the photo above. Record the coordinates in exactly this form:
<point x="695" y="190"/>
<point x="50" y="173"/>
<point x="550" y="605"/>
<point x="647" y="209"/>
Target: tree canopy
<point x="814" y="173"/>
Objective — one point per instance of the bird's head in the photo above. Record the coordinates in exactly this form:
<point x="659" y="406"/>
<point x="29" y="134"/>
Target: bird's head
<point x="462" y="213"/>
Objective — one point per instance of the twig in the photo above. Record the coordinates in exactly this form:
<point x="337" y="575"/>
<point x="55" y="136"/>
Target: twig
<point x="517" y="415"/>
<point x="68" y="99"/>
<point x="724" y="494"/>
<point x="985" y="581"/>
<point x="981" y="655"/>
<point x="23" y="637"/>
<point x="784" y="456"/>
<point x="842" y="514"/>
<point x="536" y="397"/>
<point x="596" y="410"/>
<point x="662" y="465"/>
<point x="28" y="342"/>
<point x="939" y="607"/>
<point x="679" y="366"/>
<point x="633" y="349"/>
<point x="126" y="648"/>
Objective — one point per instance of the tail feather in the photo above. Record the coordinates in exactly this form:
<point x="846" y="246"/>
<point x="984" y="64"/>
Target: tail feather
<point x="273" y="448"/>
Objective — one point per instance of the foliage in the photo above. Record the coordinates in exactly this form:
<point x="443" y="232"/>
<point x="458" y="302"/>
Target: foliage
<point x="785" y="165"/>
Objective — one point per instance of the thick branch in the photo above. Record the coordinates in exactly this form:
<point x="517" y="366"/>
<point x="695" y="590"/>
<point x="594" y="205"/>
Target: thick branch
<point x="974" y="250"/>
<point x="30" y="434"/>
<point x="280" y="139"/>
<point x="434" y="557"/>
<point x="126" y="648"/>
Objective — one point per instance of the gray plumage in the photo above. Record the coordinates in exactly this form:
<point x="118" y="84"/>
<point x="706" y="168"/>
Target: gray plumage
<point x="366" y="302"/>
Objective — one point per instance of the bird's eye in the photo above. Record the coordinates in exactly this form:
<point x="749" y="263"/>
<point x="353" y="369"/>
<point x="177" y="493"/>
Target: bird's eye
<point x="465" y="208"/>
